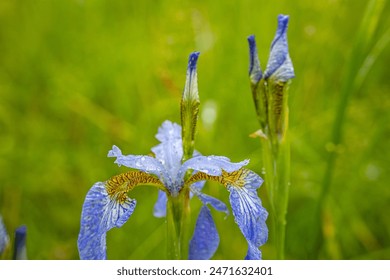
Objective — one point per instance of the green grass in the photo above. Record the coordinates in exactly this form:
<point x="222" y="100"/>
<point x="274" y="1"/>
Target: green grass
<point x="77" y="77"/>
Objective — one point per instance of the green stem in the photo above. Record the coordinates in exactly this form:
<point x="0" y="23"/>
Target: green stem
<point x="178" y="210"/>
<point x="277" y="178"/>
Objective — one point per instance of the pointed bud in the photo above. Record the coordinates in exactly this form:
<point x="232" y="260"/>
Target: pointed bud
<point x="257" y="84"/>
<point x="277" y="75"/>
<point x="255" y="73"/>
<point x="190" y="107"/>
<point x="279" y="67"/>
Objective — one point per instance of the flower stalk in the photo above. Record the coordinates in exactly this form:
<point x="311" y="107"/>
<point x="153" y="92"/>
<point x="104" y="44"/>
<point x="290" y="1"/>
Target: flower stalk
<point x="270" y="95"/>
<point x="178" y="214"/>
<point x="178" y="207"/>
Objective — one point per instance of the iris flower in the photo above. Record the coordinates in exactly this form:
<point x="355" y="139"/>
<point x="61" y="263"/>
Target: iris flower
<point x="4" y="238"/>
<point x="108" y="205"/>
<point x="20" y="251"/>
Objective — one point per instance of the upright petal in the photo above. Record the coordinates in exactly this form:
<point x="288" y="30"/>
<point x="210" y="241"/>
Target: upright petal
<point x="248" y="211"/>
<point x="205" y="240"/>
<point x="4" y="238"/>
<point x="211" y="165"/>
<point x="144" y="163"/>
<point x="170" y="151"/>
<point x="100" y="213"/>
<point x="279" y="64"/>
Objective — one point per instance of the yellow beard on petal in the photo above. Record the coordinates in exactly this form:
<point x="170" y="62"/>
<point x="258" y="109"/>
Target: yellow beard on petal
<point x="118" y="185"/>
<point x="235" y="178"/>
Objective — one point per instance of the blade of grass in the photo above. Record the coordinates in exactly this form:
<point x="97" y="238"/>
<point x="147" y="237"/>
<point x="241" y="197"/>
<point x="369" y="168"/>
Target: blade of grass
<point x="363" y="41"/>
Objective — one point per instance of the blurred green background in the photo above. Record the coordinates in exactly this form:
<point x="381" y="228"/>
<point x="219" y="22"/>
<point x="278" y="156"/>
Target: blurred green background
<point x="78" y="76"/>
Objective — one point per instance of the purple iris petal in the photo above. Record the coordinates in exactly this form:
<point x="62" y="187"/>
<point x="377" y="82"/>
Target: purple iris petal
<point x="205" y="240"/>
<point x="144" y="163"/>
<point x="160" y="207"/>
<point x="255" y="72"/>
<point x="211" y="165"/>
<point x="100" y="213"/>
<point x="249" y="214"/>
<point x="279" y="64"/>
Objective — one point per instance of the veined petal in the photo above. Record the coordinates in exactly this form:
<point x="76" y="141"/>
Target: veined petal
<point x="248" y="212"/>
<point x="106" y="206"/>
<point x="20" y="250"/>
<point x="255" y="72"/>
<point x="4" y="238"/>
<point x="205" y="240"/>
<point x="100" y="213"/>
<point x="253" y="252"/>
<point x="170" y="151"/>
<point x="211" y="165"/>
<point x="279" y="64"/>
<point x="160" y="207"/>
<point x="144" y="163"/>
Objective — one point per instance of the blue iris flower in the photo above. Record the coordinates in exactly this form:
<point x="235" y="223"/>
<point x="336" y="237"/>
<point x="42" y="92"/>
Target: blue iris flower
<point x="4" y="238"/>
<point x="107" y="204"/>
<point x="20" y="251"/>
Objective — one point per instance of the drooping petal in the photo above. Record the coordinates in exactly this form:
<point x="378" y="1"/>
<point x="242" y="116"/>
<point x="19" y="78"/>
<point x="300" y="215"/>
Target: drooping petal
<point x="20" y="250"/>
<point x="170" y="151"/>
<point x="248" y="212"/>
<point x="211" y="165"/>
<point x="144" y="163"/>
<point x="4" y="238"/>
<point x="279" y="64"/>
<point x="100" y="213"/>
<point x="205" y="240"/>
<point x="255" y="72"/>
<point x="160" y="207"/>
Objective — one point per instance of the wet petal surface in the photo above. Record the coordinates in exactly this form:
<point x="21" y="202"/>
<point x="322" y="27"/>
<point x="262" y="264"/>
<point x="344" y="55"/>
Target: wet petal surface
<point x="100" y="213"/>
<point x="205" y="240"/>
